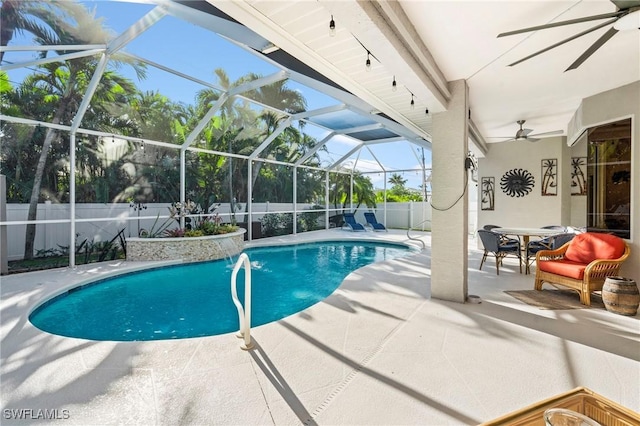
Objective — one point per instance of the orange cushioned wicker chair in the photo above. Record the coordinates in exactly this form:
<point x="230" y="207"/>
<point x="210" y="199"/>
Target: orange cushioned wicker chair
<point x="582" y="264"/>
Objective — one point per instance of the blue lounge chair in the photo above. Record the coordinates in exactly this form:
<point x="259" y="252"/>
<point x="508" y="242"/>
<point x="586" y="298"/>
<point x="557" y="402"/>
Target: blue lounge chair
<point x="350" y="221"/>
<point x="373" y="222"/>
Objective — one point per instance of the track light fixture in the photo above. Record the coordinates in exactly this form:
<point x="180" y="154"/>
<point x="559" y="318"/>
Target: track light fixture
<point x="394" y="85"/>
<point x="413" y="103"/>
<point x="368" y="63"/>
<point x="332" y="27"/>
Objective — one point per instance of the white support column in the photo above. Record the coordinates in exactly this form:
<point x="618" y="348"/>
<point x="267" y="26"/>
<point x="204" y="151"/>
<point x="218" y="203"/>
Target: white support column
<point x="4" y="257"/>
<point x="326" y="199"/>
<point x="384" y="175"/>
<point x="72" y="199"/>
<point x="250" y="201"/>
<point x="450" y="207"/>
<point x="183" y="182"/>
<point x="295" y="200"/>
<point x="351" y="192"/>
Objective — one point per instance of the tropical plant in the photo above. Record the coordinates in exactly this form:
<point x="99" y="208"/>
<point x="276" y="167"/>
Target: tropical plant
<point x="191" y="221"/>
<point x="397" y="181"/>
<point x="65" y="83"/>
<point x="340" y="189"/>
<point x="41" y="19"/>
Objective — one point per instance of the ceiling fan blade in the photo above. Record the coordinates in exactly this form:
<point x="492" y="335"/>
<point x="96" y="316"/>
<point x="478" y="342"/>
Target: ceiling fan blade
<point x="559" y="24"/>
<point x="532" y="139"/>
<point x="554" y="132"/>
<point x="597" y="27"/>
<point x="591" y="50"/>
<point x="525" y="132"/>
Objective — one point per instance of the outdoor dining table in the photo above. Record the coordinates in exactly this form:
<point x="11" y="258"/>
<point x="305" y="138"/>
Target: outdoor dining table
<point x="524" y="235"/>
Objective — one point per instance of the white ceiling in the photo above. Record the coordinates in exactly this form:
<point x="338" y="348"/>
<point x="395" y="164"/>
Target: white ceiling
<point x="426" y="43"/>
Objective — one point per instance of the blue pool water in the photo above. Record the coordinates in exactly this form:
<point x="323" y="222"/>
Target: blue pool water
<point x="194" y="300"/>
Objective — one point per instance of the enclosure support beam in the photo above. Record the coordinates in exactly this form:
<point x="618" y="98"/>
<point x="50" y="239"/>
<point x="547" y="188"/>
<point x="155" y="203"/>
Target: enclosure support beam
<point x="351" y="192"/>
<point x="344" y="157"/>
<point x="271" y="138"/>
<point x="203" y="122"/>
<point x="183" y="177"/>
<point x="249" y="200"/>
<point x="326" y="199"/>
<point x="295" y="200"/>
<point x="315" y="148"/>
<point x="384" y="175"/>
<point x="4" y="257"/>
<point x="50" y="59"/>
<point x="72" y="199"/>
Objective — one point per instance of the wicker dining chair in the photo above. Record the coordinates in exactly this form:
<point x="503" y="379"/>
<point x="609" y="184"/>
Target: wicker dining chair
<point x="492" y="244"/>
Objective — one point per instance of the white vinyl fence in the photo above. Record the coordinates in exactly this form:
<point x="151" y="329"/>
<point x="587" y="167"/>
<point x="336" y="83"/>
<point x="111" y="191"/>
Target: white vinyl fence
<point x="101" y="222"/>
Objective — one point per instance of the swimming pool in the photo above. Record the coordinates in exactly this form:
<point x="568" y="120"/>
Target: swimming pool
<point x="194" y="300"/>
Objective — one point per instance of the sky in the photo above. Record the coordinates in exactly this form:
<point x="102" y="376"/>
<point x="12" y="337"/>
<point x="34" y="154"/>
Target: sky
<point x="195" y="51"/>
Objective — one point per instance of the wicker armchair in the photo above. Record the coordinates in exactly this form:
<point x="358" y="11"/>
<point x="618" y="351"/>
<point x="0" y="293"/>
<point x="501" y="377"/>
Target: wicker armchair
<point x="582" y="264"/>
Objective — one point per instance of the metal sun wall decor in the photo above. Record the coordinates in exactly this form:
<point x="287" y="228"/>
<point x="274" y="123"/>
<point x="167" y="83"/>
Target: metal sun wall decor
<point x="550" y="176"/>
<point x="578" y="175"/>
<point x="517" y="182"/>
<point x="488" y="193"/>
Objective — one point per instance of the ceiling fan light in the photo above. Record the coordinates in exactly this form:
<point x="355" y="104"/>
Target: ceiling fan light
<point x="630" y="21"/>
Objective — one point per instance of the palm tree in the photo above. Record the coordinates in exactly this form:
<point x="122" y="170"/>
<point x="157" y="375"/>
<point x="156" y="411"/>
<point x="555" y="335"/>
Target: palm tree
<point x="396" y="180"/>
<point x="340" y="189"/>
<point x="44" y="20"/>
<point x="66" y="82"/>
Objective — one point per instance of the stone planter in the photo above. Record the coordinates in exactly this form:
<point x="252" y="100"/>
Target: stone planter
<point x="189" y="249"/>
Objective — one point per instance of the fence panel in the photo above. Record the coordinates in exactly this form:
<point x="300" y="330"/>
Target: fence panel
<point x="134" y="218"/>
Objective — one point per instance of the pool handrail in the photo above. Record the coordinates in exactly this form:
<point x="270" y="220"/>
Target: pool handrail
<point x="244" y="314"/>
<point x="414" y="238"/>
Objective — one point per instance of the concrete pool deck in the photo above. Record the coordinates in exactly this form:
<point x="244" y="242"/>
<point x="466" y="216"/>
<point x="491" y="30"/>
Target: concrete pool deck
<point x="377" y="351"/>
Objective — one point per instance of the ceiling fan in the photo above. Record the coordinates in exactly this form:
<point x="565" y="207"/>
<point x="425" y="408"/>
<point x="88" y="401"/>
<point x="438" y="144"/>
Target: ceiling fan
<point x="626" y="17"/>
<point x="525" y="134"/>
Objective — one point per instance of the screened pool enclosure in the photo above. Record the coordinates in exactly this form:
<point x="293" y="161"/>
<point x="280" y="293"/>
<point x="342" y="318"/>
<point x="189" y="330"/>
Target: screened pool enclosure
<point x="114" y="113"/>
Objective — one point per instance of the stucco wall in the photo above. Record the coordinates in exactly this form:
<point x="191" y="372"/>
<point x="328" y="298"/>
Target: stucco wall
<point x="534" y="209"/>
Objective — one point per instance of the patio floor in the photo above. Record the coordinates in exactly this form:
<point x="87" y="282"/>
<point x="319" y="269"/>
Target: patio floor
<point x="377" y="351"/>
